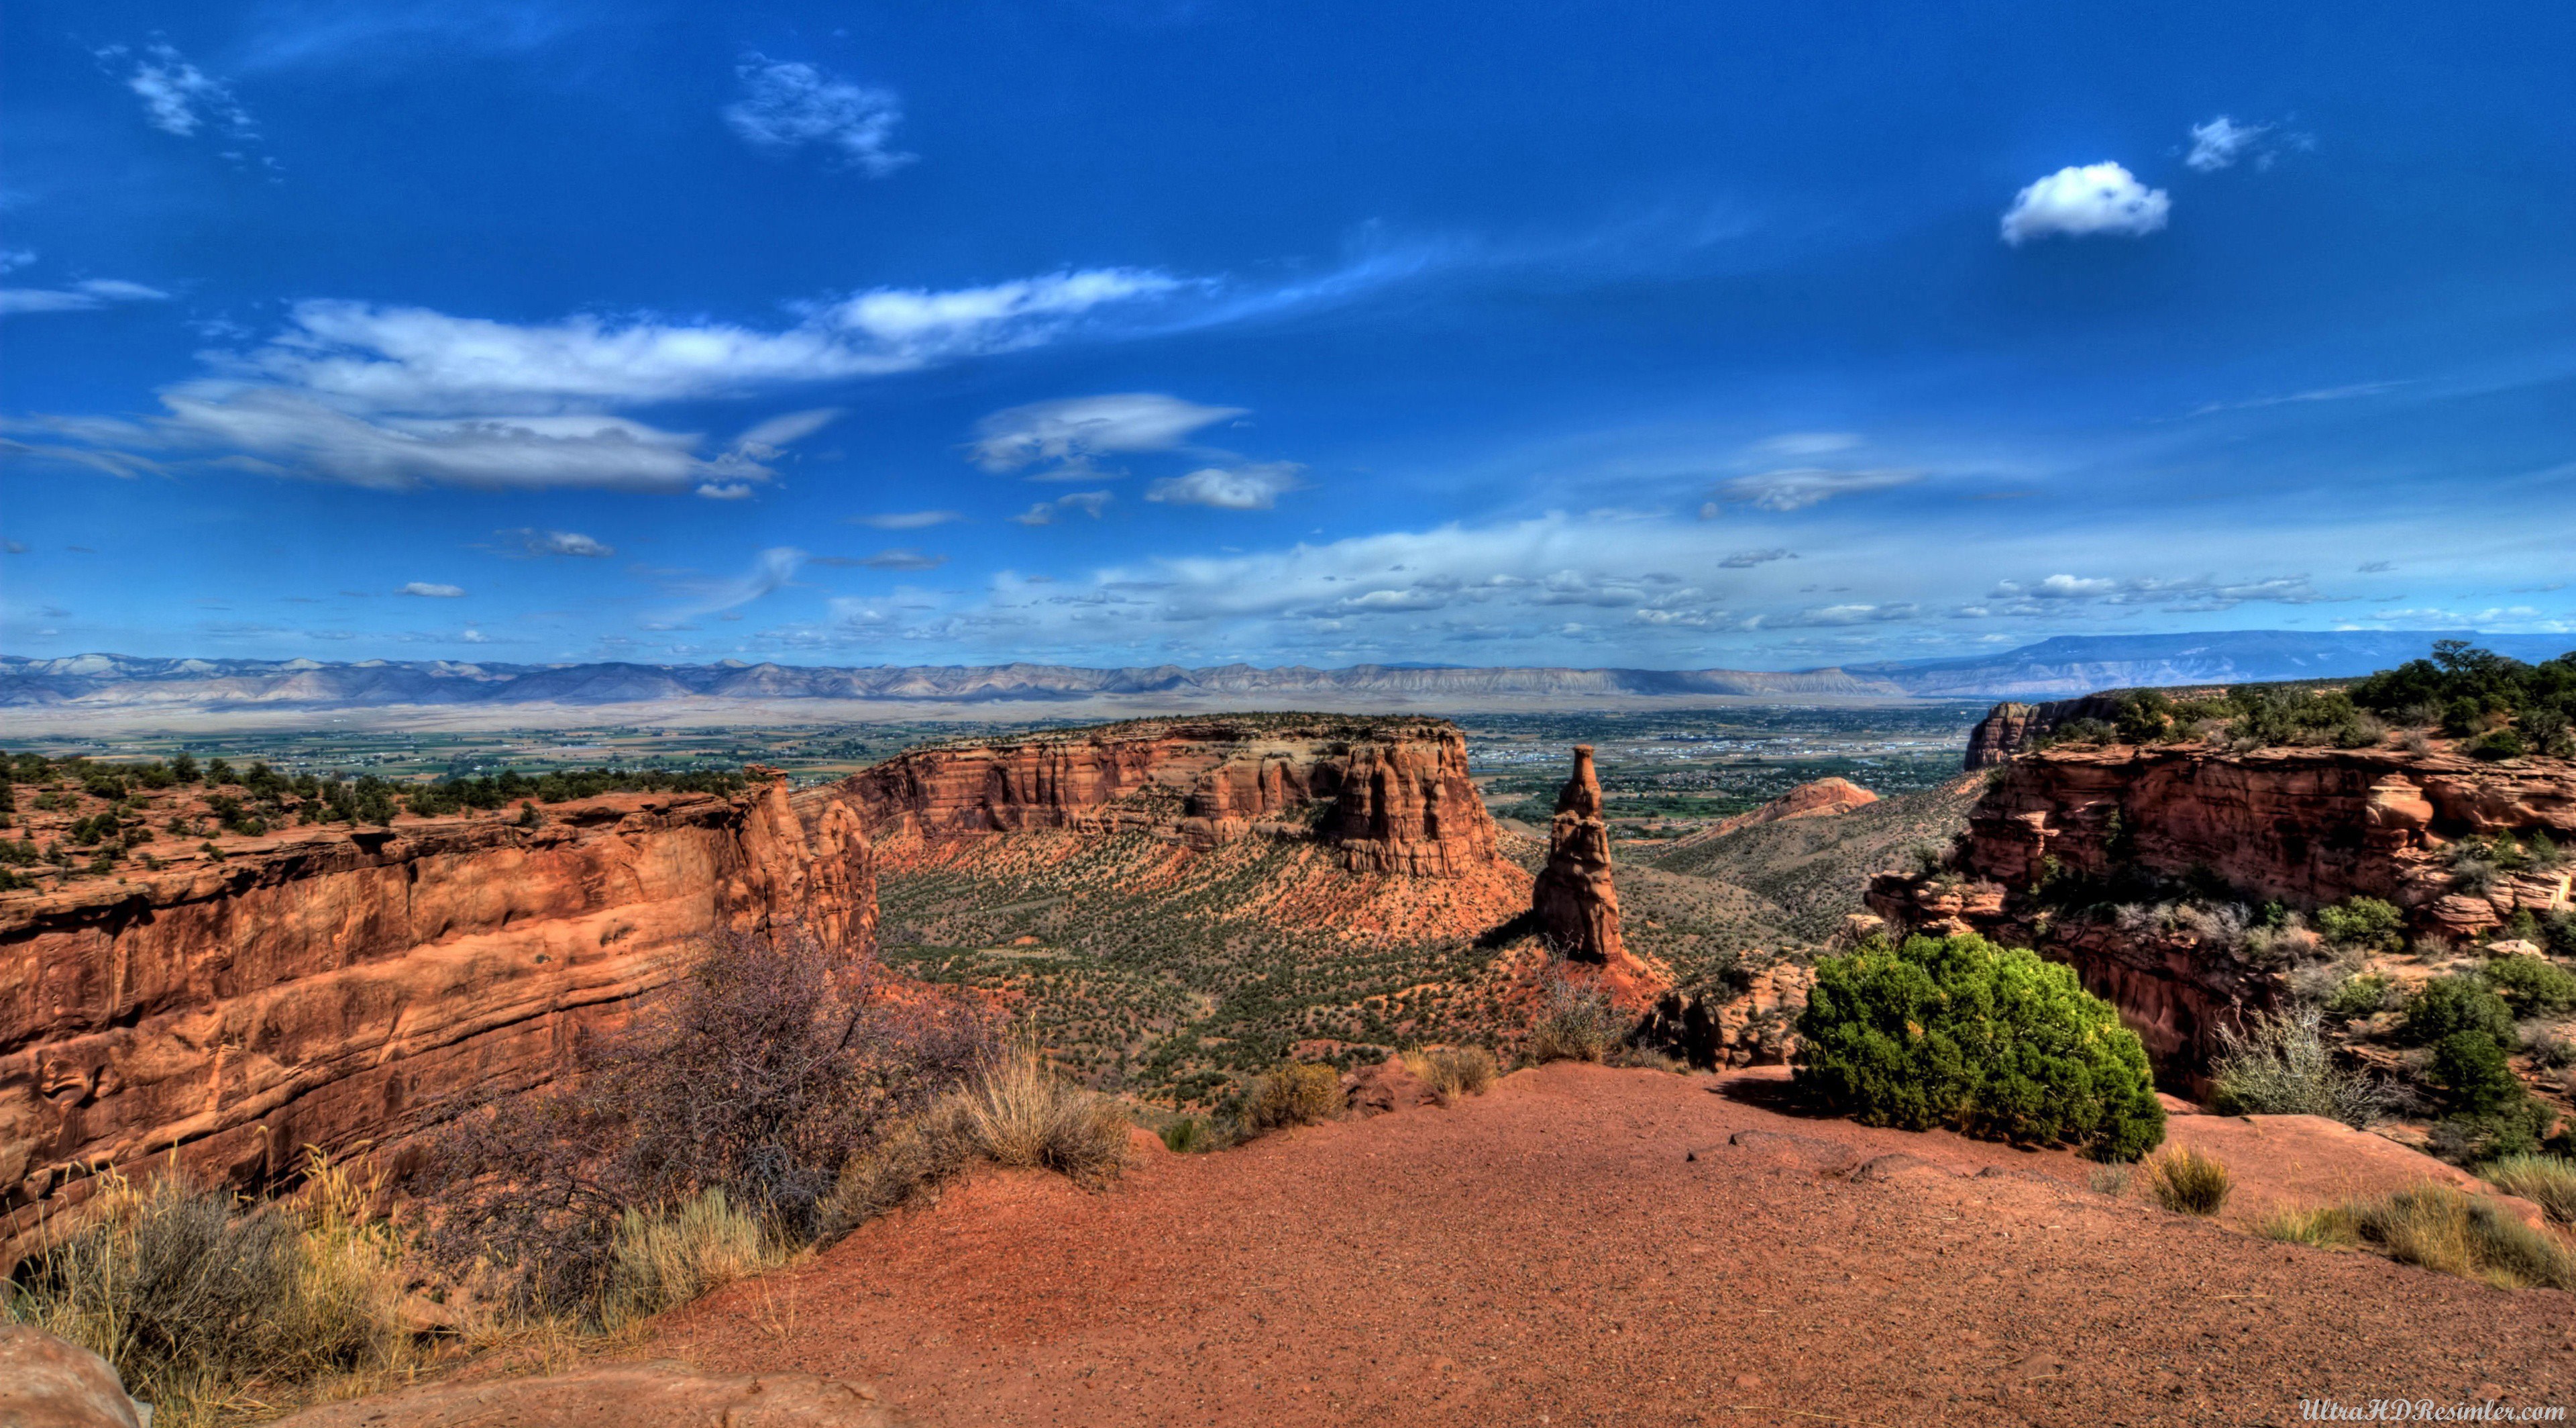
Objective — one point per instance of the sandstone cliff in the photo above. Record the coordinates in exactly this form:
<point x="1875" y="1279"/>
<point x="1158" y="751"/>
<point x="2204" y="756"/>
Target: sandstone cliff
<point x="1385" y="795"/>
<point x="2301" y="826"/>
<point x="333" y="988"/>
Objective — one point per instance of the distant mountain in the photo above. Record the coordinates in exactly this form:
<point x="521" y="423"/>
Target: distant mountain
<point x="2054" y="668"/>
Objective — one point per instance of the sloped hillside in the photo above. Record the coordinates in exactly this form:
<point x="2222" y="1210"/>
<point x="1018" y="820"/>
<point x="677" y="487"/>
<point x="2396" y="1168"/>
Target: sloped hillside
<point x="1816" y="869"/>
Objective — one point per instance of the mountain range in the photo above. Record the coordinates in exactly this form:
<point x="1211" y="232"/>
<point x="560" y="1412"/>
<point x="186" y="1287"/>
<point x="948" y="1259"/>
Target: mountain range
<point x="2051" y="668"/>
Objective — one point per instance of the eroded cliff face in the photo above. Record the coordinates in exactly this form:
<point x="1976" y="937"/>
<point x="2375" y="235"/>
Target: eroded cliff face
<point x="1386" y="795"/>
<point x="333" y="988"/>
<point x="2303" y="827"/>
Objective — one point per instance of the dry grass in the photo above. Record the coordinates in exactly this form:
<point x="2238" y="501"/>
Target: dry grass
<point x="1579" y="1023"/>
<point x="2437" y="1228"/>
<point x="211" y="1309"/>
<point x="1017" y="1111"/>
<point x="1453" y="1071"/>
<point x="2548" y="1181"/>
<point x="1293" y="1094"/>
<point x="2187" y="1182"/>
<point x="664" y="1259"/>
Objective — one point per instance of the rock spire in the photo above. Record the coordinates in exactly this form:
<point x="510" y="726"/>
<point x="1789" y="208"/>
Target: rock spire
<point x="1576" y="907"/>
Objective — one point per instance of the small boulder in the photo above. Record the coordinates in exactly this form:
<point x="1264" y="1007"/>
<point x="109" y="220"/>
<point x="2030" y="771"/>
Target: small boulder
<point x="47" y="1382"/>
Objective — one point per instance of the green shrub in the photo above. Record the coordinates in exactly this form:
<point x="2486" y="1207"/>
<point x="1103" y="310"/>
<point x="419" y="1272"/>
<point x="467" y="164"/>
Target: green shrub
<point x="2470" y="1066"/>
<point x="2280" y="1066"/>
<point x="2453" y="1004"/>
<point x="2534" y="984"/>
<point x="2548" y="1181"/>
<point x="2498" y="744"/>
<point x="1991" y="1041"/>
<point x="1187" y="1136"/>
<point x="2188" y="1182"/>
<point x="2363" y="924"/>
<point x="2359" y="996"/>
<point x="1294" y="1093"/>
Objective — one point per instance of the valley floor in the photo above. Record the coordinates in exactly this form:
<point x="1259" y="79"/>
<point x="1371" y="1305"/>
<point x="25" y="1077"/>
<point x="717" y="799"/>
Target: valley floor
<point x="1593" y="1246"/>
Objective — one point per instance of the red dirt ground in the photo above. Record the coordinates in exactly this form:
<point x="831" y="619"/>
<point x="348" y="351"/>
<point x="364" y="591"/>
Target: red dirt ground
<point x="1591" y="1246"/>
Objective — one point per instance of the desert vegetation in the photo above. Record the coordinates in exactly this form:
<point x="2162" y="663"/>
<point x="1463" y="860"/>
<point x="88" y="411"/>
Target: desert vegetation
<point x="1987" y="1040"/>
<point x="2437" y="1228"/>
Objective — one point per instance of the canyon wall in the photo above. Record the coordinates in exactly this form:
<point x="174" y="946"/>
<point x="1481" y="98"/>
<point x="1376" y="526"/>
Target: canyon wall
<point x="2300" y="826"/>
<point x="1386" y="795"/>
<point x="334" y="987"/>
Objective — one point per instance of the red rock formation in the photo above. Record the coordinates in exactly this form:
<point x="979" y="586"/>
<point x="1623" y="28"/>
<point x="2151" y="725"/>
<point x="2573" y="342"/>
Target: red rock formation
<point x="2304" y="827"/>
<point x="337" y="987"/>
<point x="1576" y="906"/>
<point x="1388" y="795"/>
<point x="1822" y="798"/>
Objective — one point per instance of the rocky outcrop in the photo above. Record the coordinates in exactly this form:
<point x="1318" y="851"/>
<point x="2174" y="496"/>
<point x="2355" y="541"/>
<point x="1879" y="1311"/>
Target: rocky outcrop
<point x="2304" y="827"/>
<point x="1576" y="906"/>
<point x="1387" y="795"/>
<point x="2008" y="729"/>
<point x="1822" y="798"/>
<point x="1750" y="1021"/>
<point x="330" y="987"/>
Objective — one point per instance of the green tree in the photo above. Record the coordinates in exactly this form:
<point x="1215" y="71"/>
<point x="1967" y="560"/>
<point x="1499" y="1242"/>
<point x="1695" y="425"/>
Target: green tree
<point x="1990" y="1041"/>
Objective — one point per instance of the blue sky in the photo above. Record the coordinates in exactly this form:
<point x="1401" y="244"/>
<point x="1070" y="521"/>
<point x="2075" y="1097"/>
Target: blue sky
<point x="1112" y="333"/>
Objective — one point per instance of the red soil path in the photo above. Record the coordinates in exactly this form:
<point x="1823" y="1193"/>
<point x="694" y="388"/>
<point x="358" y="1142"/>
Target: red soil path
<point x="1553" y="1253"/>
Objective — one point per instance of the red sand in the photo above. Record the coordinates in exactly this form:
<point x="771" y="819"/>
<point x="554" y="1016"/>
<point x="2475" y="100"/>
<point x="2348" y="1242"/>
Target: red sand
<point x="1550" y="1253"/>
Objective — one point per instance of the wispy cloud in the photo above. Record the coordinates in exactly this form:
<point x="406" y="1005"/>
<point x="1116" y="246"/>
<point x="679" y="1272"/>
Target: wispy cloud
<point x="2078" y="202"/>
<point x="1046" y="513"/>
<point x="1747" y="559"/>
<point x="1248" y="486"/>
<point x="906" y="520"/>
<point x="2216" y="144"/>
<point x="179" y="98"/>
<point x="2320" y="394"/>
<point x="769" y="570"/>
<point x="432" y="590"/>
<point x="77" y="297"/>
<point x="2199" y="594"/>
<point x="787" y="105"/>
<point x="1066" y="434"/>
<point x="529" y="542"/>
<point x="1799" y="487"/>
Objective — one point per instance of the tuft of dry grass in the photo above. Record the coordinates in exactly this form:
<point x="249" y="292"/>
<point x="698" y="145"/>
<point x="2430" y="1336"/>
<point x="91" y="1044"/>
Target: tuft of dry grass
<point x="1017" y="1111"/>
<point x="209" y="1307"/>
<point x="1453" y="1071"/>
<point x="2548" y="1181"/>
<point x="1293" y="1094"/>
<point x="1579" y="1023"/>
<point x="2434" y="1227"/>
<point x="665" y="1258"/>
<point x="2187" y="1182"/>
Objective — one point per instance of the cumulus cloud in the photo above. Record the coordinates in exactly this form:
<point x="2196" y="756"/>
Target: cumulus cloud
<point x="527" y="541"/>
<point x="432" y="590"/>
<point x="2099" y="198"/>
<point x="1747" y="559"/>
<point x="2218" y="143"/>
<point x="906" y="520"/>
<point x="1251" y="486"/>
<point x="785" y="106"/>
<point x="1046" y="513"/>
<point x="1069" y="432"/>
<point x="1796" y="488"/>
<point x="78" y="297"/>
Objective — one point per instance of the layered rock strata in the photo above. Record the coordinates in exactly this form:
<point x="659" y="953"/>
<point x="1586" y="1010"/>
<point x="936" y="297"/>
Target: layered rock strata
<point x="2303" y="827"/>
<point x="334" y="987"/>
<point x="1386" y="795"/>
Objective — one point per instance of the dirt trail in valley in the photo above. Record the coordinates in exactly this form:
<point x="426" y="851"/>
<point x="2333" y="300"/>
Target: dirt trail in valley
<point x="1589" y="1246"/>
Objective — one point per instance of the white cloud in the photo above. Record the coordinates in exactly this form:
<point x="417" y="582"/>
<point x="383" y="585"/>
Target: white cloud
<point x="1747" y="559"/>
<point x="178" y="98"/>
<point x="526" y="541"/>
<point x="904" y="559"/>
<point x="786" y="106"/>
<point x="1045" y="513"/>
<point x="2097" y="198"/>
<point x="907" y="520"/>
<point x="12" y="259"/>
<point x="79" y="297"/>
<point x="769" y="570"/>
<point x="724" y="490"/>
<point x="2199" y="594"/>
<point x="2218" y="143"/>
<point x="431" y="589"/>
<point x="1071" y="431"/>
<point x="769" y="440"/>
<point x="1807" y="443"/>
<point x="1800" y="487"/>
<point x="1251" y="486"/>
